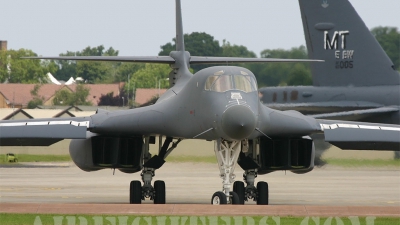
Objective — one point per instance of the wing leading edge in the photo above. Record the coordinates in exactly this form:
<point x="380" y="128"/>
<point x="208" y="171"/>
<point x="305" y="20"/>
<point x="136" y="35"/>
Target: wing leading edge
<point x="42" y="132"/>
<point x="170" y="60"/>
<point x="361" y="136"/>
<point x="356" y="114"/>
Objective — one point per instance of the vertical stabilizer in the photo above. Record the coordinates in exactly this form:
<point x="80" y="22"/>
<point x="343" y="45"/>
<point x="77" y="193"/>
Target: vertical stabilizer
<point x="335" y="33"/>
<point x="180" y="71"/>
<point x="180" y="45"/>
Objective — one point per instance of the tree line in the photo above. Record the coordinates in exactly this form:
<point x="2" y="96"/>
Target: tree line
<point x="13" y="69"/>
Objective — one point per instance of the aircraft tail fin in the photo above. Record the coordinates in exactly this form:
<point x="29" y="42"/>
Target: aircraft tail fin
<point x="180" y="44"/>
<point x="335" y="33"/>
<point x="180" y="67"/>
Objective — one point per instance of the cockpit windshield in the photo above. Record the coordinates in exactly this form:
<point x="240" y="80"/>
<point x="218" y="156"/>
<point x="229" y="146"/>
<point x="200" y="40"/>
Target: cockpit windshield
<point x="221" y="82"/>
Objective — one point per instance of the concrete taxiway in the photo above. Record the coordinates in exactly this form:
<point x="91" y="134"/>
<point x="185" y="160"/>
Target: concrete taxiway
<point x="194" y="183"/>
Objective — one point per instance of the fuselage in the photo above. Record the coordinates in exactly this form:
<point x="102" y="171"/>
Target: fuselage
<point x="316" y="100"/>
<point x="216" y="102"/>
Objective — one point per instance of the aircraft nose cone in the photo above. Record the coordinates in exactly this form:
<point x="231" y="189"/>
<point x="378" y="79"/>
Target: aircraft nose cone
<point x="238" y="122"/>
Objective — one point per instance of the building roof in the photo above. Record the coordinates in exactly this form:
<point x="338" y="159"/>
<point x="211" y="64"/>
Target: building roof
<point x="6" y="114"/>
<point x="20" y="94"/>
<point x="94" y="108"/>
<point x="83" y="113"/>
<point x="144" y="95"/>
<point x="96" y="90"/>
<point x="42" y="113"/>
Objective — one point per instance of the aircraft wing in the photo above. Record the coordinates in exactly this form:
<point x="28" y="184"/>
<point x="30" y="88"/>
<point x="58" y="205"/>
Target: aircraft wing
<point x="361" y="136"/>
<point x="324" y="107"/>
<point x="139" y="59"/>
<point x="42" y="132"/>
<point x="356" y="114"/>
<point x="211" y="60"/>
<point x="170" y="60"/>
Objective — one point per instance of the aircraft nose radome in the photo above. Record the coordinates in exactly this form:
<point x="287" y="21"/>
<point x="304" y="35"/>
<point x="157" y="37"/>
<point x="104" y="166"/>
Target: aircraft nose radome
<point x="238" y="122"/>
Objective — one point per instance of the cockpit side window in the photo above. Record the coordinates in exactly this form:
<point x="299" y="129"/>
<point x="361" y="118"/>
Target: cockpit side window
<point x="222" y="84"/>
<point x="210" y="80"/>
<point x="244" y="83"/>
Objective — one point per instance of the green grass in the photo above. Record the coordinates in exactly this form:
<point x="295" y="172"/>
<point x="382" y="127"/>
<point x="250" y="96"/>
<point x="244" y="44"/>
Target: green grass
<point x="20" y="219"/>
<point x="190" y="158"/>
<point x="40" y="158"/>
<point x="335" y="162"/>
<point x="364" y="162"/>
<point x="211" y="159"/>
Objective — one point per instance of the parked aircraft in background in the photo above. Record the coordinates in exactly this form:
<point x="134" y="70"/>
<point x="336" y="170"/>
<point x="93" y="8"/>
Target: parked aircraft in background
<point x="357" y="81"/>
<point x="218" y="103"/>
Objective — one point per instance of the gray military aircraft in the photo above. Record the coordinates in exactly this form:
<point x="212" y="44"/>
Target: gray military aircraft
<point x="357" y="81"/>
<point x="218" y="104"/>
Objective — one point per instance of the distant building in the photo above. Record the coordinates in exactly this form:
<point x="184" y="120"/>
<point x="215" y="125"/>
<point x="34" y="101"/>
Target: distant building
<point x="19" y="95"/>
<point x="3" y="45"/>
<point x="144" y="95"/>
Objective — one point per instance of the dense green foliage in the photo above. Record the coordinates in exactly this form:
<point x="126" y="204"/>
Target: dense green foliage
<point x="154" y="75"/>
<point x="91" y="72"/>
<point x="198" y="44"/>
<point x="389" y="39"/>
<point x="16" y="70"/>
<point x="274" y="74"/>
<point x="119" y="100"/>
<point x="150" y="76"/>
<point x="66" y="97"/>
<point x="364" y="162"/>
<point x="36" y="99"/>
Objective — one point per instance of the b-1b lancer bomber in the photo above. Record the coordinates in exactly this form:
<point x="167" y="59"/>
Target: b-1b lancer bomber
<point x="219" y="104"/>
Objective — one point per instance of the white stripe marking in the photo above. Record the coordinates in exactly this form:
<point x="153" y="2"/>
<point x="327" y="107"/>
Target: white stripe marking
<point x="46" y="123"/>
<point x="366" y="127"/>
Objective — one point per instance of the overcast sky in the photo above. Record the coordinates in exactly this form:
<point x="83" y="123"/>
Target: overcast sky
<point x="139" y="28"/>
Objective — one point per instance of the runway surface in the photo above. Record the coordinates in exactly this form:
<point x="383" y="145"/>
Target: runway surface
<point x="368" y="190"/>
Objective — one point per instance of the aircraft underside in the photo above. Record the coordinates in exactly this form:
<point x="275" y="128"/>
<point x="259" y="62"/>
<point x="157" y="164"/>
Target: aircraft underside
<point x="257" y="156"/>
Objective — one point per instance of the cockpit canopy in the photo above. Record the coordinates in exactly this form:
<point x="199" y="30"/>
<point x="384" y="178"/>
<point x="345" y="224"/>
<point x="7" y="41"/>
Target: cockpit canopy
<point x="223" y="80"/>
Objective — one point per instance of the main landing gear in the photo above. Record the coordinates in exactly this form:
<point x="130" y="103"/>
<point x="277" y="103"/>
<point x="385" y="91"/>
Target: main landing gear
<point x="138" y="192"/>
<point x="227" y="153"/>
<point x="155" y="192"/>
<point x="258" y="193"/>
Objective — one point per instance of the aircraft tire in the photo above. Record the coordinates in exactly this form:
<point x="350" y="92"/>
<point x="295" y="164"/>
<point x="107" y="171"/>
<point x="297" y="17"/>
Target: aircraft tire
<point x="218" y="198"/>
<point x="135" y="192"/>
<point x="159" y="187"/>
<point x="262" y="190"/>
<point x="234" y="198"/>
<point x="238" y="187"/>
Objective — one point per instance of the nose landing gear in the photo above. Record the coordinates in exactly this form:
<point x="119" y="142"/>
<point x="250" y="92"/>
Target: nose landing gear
<point x="227" y="153"/>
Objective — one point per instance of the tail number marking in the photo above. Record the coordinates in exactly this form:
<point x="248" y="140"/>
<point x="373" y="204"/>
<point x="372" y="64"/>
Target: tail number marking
<point x="337" y="42"/>
<point x="344" y="65"/>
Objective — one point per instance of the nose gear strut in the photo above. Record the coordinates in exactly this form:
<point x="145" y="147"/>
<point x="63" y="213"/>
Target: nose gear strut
<point x="227" y="153"/>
